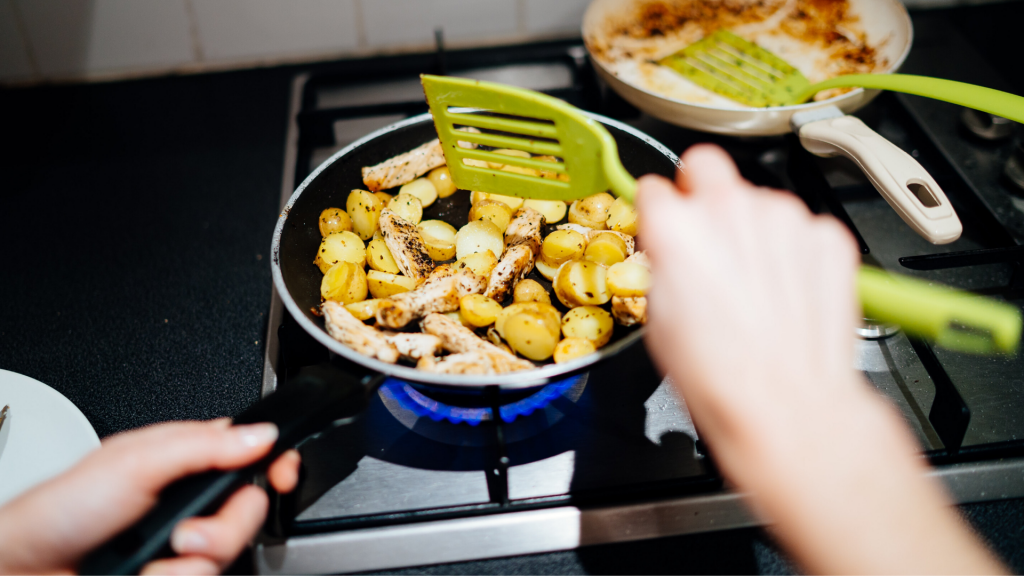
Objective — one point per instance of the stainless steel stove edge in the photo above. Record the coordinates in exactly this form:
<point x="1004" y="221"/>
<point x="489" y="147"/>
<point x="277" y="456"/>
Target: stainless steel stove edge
<point x="567" y="527"/>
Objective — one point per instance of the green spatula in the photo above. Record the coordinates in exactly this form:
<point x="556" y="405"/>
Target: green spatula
<point x="743" y="71"/>
<point x="525" y="120"/>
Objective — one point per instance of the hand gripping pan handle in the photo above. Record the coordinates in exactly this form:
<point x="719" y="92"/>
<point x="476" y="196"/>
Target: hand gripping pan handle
<point x="317" y="398"/>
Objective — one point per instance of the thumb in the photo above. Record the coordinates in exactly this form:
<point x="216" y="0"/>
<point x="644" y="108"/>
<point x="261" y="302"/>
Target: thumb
<point x="709" y="171"/>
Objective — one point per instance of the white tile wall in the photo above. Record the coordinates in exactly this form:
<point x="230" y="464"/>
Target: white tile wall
<point x="237" y="29"/>
<point x="550" y="17"/>
<point x="14" y="59"/>
<point x="75" y="37"/>
<point x="396" y="23"/>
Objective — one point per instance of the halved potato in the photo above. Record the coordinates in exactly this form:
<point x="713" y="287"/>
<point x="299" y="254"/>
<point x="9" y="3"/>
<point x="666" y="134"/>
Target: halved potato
<point x="553" y="318"/>
<point x="364" y="210"/>
<point x="474" y="162"/>
<point x="563" y="245"/>
<point x="596" y="207"/>
<point x="606" y="248"/>
<point x="498" y="213"/>
<point x="590" y="322"/>
<point x="421" y="188"/>
<point x="379" y="257"/>
<point x="546" y="270"/>
<point x="551" y="174"/>
<point x="364" y="310"/>
<point x="629" y="279"/>
<point x="458" y="317"/>
<point x="477" y="236"/>
<point x="479" y="310"/>
<point x="528" y="334"/>
<point x="334" y="220"/>
<point x="382" y="284"/>
<point x="582" y="283"/>
<point x="622" y="217"/>
<point x="481" y="263"/>
<point x="384" y="197"/>
<point x="407" y="207"/>
<point x="340" y="247"/>
<point x="506" y="152"/>
<point x="553" y="210"/>
<point x="441" y="178"/>
<point x="573" y="348"/>
<point x="439" y="238"/>
<point x="514" y="202"/>
<point x="576" y="216"/>
<point x="528" y="290"/>
<point x="345" y="283"/>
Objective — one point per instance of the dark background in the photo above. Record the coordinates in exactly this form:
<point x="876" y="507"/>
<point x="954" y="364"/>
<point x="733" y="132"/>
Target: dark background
<point x="134" y="276"/>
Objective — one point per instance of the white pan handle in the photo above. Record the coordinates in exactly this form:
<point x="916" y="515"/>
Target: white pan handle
<point x="904" y="183"/>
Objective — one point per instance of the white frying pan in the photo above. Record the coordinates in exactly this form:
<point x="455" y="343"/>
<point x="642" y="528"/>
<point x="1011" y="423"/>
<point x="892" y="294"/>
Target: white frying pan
<point x="823" y="126"/>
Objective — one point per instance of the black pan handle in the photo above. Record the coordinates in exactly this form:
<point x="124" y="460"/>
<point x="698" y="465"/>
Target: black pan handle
<point x="315" y="399"/>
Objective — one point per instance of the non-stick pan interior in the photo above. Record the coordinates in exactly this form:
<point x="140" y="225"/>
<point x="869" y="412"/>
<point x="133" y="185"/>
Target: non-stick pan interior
<point x="330" y="186"/>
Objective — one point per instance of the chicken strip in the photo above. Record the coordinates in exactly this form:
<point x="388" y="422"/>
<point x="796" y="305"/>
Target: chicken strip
<point x="514" y="265"/>
<point x="414" y="345"/>
<point x="467" y="363"/>
<point x="347" y="329"/>
<point x="408" y="166"/>
<point x="442" y="271"/>
<point x="589" y="234"/>
<point x="629" y="311"/>
<point x="436" y="295"/>
<point x="403" y="240"/>
<point x="525" y="228"/>
<point x="458" y="339"/>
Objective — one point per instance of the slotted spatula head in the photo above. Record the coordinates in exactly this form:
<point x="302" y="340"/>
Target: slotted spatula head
<point x="524" y="120"/>
<point x="726" y="64"/>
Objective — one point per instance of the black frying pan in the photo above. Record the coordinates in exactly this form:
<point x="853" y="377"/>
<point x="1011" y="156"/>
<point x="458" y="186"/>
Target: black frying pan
<point x="326" y="395"/>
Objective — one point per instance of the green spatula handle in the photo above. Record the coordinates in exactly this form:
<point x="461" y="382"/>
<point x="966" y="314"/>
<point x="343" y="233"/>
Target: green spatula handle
<point x="988" y="100"/>
<point x="951" y="318"/>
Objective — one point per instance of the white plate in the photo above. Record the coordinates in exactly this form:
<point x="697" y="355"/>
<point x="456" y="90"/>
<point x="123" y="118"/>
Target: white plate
<point x="47" y="434"/>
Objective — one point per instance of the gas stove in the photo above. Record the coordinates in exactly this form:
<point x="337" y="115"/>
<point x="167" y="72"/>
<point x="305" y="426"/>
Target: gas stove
<point x="612" y="455"/>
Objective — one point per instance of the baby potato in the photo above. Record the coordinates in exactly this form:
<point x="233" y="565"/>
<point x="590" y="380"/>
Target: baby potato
<point x="605" y="248"/>
<point x="546" y="270"/>
<point x="528" y="290"/>
<point x="334" y="220"/>
<point x="340" y="247"/>
<point x="622" y="217"/>
<point x="474" y="162"/>
<point x="551" y="174"/>
<point x="384" y="197"/>
<point x="596" y="207"/>
<point x="477" y="236"/>
<point x="498" y="213"/>
<point x="629" y="279"/>
<point x="513" y="202"/>
<point x="364" y="210"/>
<point x="527" y="333"/>
<point x="460" y="318"/>
<point x="441" y="178"/>
<point x="576" y="216"/>
<point x="506" y="152"/>
<point x="553" y="210"/>
<point x="439" y="238"/>
<point x="571" y="349"/>
<point x="582" y="283"/>
<point x="553" y="318"/>
<point x="364" y="310"/>
<point x="479" y="310"/>
<point x="379" y="257"/>
<point x="421" y="188"/>
<point x="345" y="283"/>
<point x="407" y="207"/>
<point x="563" y="245"/>
<point x="382" y="284"/>
<point x="590" y="322"/>
<point x="481" y="263"/>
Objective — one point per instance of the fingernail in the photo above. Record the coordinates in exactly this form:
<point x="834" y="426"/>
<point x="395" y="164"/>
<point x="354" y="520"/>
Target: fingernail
<point x="186" y="541"/>
<point x="257" y="434"/>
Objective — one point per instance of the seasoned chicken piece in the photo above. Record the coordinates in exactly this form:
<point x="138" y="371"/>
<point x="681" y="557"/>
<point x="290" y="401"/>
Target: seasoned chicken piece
<point x="458" y="339"/>
<point x="640" y="257"/>
<point x="438" y="295"/>
<point x="414" y="345"/>
<point x="442" y="271"/>
<point x="514" y="265"/>
<point x="589" y="234"/>
<point x="629" y="311"/>
<point x="408" y="166"/>
<point x="403" y="240"/>
<point x="347" y="329"/>
<point x="467" y="363"/>
<point x="525" y="229"/>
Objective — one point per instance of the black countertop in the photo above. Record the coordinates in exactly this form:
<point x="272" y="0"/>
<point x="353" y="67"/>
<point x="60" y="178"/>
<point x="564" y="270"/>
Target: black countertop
<point x="137" y="218"/>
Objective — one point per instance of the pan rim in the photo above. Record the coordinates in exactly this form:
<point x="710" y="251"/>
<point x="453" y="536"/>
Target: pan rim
<point x="509" y="381"/>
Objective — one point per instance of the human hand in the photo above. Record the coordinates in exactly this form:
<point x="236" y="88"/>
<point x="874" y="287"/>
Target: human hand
<point x="752" y="313"/>
<point x="50" y="528"/>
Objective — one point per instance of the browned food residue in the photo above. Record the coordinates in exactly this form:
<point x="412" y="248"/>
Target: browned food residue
<point x="661" y="17"/>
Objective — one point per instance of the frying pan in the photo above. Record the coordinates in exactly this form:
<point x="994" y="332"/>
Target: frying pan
<point x="823" y="128"/>
<point x="333" y="395"/>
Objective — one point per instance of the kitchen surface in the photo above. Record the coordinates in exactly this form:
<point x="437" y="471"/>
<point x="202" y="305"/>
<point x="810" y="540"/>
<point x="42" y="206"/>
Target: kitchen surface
<point x="138" y="219"/>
